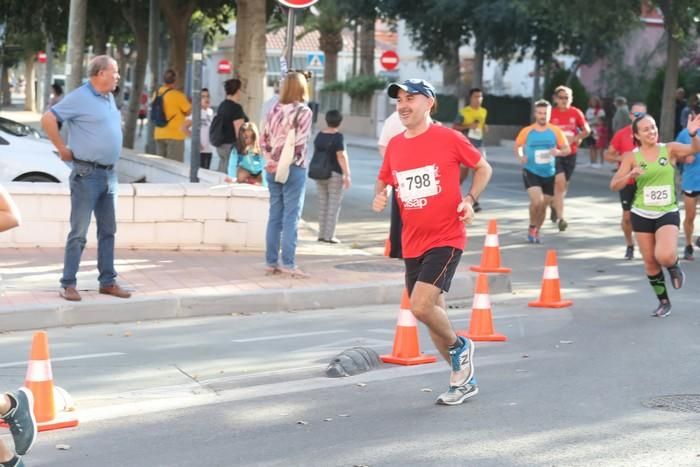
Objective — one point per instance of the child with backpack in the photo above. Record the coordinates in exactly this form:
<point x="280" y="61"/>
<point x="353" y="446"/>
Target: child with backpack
<point x="246" y="163"/>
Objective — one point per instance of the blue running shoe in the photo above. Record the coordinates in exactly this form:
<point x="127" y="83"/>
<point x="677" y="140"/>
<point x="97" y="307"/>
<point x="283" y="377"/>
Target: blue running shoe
<point x="461" y="359"/>
<point x="532" y="235"/>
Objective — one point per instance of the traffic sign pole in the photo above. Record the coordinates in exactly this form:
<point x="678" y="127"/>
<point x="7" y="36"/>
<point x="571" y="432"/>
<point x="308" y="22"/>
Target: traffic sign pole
<point x="291" y="24"/>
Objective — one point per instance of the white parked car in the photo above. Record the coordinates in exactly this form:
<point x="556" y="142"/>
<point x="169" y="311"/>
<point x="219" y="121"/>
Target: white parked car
<point x="25" y="157"/>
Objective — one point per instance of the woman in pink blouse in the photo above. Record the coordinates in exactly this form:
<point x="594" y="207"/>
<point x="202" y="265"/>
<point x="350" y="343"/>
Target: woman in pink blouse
<point x="286" y="199"/>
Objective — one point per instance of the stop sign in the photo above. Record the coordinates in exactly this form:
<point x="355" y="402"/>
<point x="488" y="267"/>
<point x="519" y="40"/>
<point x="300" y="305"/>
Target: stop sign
<point x="297" y="3"/>
<point x="389" y="60"/>
<point x="41" y="56"/>
<point x="224" y="67"/>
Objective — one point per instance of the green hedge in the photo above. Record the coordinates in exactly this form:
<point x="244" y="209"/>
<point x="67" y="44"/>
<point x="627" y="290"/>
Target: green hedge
<point x="508" y="110"/>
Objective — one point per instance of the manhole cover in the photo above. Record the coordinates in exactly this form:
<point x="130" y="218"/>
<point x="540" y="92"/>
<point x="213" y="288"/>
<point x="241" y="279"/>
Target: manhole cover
<point x="371" y="266"/>
<point x="689" y="403"/>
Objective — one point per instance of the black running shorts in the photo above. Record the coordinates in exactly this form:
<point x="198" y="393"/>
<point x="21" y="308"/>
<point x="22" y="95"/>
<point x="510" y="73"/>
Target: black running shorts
<point x="691" y="194"/>
<point x="644" y="225"/>
<point x="566" y="165"/>
<point x="436" y="266"/>
<point x="546" y="183"/>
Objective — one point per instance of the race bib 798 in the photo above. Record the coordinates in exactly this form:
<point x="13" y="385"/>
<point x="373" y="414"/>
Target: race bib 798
<point x="417" y="183"/>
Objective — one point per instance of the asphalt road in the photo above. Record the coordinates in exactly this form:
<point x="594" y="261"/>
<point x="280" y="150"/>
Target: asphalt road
<point x="568" y="388"/>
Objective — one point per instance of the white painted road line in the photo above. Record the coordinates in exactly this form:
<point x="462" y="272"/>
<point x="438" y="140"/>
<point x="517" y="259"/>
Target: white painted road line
<point x="285" y="336"/>
<point x="66" y="359"/>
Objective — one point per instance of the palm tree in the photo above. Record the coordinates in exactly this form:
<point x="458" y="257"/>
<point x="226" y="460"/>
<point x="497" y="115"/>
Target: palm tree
<point x="329" y="23"/>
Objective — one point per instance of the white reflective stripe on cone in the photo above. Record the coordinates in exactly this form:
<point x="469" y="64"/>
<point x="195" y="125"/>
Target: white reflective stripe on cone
<point x="39" y="370"/>
<point x="406" y="319"/>
<point x="551" y="272"/>
<point x="491" y="240"/>
<point x="481" y="302"/>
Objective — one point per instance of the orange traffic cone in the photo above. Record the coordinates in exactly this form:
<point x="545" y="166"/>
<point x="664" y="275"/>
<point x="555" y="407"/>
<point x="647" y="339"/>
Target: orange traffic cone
<point x="550" y="296"/>
<point x="39" y="380"/>
<point x="481" y="324"/>
<point x="491" y="254"/>
<point x="406" y="346"/>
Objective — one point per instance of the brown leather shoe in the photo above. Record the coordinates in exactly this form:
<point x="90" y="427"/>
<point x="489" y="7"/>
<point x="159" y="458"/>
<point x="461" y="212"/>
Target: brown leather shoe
<point x="115" y="290"/>
<point x="70" y="294"/>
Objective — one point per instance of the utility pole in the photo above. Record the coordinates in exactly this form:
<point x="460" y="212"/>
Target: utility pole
<point x="153" y="64"/>
<point x="197" y="40"/>
<point x="291" y="24"/>
<point x="76" y="44"/>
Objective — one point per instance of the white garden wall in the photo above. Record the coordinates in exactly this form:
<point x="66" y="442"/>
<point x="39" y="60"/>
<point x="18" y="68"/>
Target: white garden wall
<point x="169" y="214"/>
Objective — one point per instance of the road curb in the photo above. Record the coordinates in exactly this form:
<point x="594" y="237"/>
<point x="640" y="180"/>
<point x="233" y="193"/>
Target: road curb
<point x="115" y="310"/>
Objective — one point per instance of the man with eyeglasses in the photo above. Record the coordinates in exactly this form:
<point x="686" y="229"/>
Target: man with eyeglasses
<point x="622" y="142"/>
<point x="573" y="124"/>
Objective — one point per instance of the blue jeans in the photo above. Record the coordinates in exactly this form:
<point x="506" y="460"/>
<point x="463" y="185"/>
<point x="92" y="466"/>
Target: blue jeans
<point x="91" y="189"/>
<point x="286" y="203"/>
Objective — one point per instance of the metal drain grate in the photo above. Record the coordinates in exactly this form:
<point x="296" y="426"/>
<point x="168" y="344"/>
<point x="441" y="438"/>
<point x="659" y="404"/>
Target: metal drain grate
<point x="372" y="266"/>
<point x="687" y="403"/>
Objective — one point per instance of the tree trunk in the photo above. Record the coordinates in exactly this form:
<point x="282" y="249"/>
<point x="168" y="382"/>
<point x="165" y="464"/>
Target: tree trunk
<point x="536" y="88"/>
<point x="668" y="103"/>
<point x="29" y="77"/>
<point x="250" y="60"/>
<point x="137" y="22"/>
<point x="367" y="47"/>
<point x="478" y="76"/>
<point x="122" y="63"/>
<point x="450" y="72"/>
<point x="76" y="43"/>
<point x="5" y="85"/>
<point x="99" y="35"/>
<point x="178" y="20"/>
<point x="330" y="44"/>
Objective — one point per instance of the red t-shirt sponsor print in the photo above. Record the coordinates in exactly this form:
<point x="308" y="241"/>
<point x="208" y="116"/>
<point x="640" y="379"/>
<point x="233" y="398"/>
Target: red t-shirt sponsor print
<point x="570" y="121"/>
<point x="424" y="171"/>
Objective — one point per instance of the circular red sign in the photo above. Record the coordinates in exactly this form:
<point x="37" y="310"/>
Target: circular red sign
<point x="389" y="60"/>
<point x="297" y="3"/>
<point x="224" y="67"/>
<point x="41" y="57"/>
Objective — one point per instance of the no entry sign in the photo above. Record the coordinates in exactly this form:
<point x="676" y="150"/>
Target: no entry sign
<point x="389" y="60"/>
<point x="297" y="3"/>
<point x="41" y="57"/>
<point x="224" y="67"/>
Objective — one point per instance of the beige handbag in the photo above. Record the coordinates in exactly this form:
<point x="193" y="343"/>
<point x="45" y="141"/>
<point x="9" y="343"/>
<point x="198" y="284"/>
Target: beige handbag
<point x="287" y="154"/>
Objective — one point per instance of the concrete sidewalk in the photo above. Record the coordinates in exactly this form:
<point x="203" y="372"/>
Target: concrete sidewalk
<point x="176" y="284"/>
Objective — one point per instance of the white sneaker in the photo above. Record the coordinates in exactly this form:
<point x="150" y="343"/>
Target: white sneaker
<point x="596" y="166"/>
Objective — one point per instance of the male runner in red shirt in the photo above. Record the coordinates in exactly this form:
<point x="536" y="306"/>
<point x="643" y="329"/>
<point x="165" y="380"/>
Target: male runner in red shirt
<point x="623" y="142"/>
<point x="572" y="122"/>
<point x="422" y="164"/>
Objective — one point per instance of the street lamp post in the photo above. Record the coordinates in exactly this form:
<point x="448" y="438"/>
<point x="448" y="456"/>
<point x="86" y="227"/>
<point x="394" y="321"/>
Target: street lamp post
<point x="197" y="40"/>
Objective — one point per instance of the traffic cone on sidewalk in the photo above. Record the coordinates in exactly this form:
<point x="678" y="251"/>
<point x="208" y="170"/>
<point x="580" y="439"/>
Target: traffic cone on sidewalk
<point x="481" y="324"/>
<point x="491" y="254"/>
<point x="550" y="296"/>
<point x="39" y="380"/>
<point x="406" y="346"/>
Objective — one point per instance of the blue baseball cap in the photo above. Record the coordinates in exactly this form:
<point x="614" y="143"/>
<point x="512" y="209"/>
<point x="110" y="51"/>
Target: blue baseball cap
<point x="412" y="86"/>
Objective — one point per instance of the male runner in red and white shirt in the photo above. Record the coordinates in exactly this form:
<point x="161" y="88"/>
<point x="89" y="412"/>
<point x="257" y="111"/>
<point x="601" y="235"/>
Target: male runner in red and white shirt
<point x="422" y="164"/>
